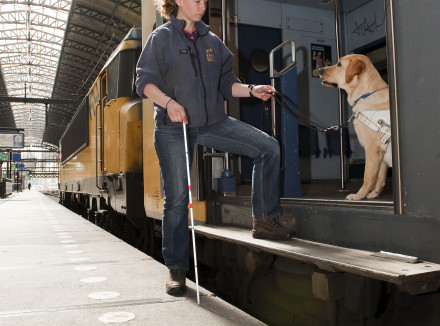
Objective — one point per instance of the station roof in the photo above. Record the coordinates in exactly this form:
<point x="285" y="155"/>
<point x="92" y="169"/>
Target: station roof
<point x="51" y="51"/>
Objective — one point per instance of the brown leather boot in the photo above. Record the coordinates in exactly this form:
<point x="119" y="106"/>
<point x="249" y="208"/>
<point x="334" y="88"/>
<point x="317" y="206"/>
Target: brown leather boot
<point x="176" y="284"/>
<point x="270" y="229"/>
<point x="289" y="222"/>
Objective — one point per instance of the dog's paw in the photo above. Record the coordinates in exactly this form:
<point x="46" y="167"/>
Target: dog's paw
<point x="353" y="197"/>
<point x="373" y="194"/>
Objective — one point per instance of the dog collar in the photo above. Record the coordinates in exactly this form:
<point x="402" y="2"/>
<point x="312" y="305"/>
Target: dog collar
<point x="363" y="96"/>
<point x="366" y="95"/>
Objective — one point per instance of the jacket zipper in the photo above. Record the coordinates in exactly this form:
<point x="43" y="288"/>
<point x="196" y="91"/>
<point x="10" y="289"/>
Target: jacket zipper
<point x="202" y="81"/>
<point x="193" y="63"/>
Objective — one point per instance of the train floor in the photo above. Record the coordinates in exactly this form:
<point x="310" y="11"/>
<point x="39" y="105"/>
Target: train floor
<point x="59" y="269"/>
<point x="331" y="190"/>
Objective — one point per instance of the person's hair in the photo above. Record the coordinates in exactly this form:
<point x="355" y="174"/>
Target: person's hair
<point x="166" y="8"/>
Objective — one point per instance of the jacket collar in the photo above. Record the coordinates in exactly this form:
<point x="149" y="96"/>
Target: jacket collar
<point x="202" y="28"/>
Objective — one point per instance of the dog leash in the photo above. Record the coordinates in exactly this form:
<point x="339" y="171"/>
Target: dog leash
<point x="281" y="99"/>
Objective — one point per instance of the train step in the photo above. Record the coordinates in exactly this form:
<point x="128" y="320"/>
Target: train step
<point x="414" y="276"/>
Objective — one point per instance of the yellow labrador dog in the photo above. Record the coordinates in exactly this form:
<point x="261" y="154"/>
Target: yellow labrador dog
<point x="368" y="95"/>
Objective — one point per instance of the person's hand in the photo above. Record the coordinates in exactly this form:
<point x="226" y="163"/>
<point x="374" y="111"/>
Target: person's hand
<point x="263" y="92"/>
<point x="176" y="112"/>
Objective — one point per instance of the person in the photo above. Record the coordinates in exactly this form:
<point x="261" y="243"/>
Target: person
<point x="317" y="63"/>
<point x="29" y="186"/>
<point x="187" y="72"/>
<point x="317" y="56"/>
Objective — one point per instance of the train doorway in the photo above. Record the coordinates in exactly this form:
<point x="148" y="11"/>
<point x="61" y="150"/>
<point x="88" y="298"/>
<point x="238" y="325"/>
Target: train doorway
<point x="254" y="69"/>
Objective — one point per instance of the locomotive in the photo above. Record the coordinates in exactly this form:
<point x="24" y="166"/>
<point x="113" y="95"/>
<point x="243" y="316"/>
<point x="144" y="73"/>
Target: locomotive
<point x="351" y="262"/>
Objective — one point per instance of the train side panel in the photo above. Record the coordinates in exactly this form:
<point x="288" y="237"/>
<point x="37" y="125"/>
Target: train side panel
<point x="77" y="171"/>
<point x="153" y="191"/>
<point x="105" y="174"/>
<point x="130" y="139"/>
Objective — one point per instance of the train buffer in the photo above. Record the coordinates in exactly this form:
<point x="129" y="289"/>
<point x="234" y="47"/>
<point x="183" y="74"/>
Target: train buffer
<point x="411" y="275"/>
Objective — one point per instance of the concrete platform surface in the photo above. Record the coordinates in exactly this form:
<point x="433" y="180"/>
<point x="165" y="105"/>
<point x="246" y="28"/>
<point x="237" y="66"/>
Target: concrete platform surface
<point x="56" y="268"/>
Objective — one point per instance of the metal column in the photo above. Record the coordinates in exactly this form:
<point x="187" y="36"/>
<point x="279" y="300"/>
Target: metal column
<point x="341" y="109"/>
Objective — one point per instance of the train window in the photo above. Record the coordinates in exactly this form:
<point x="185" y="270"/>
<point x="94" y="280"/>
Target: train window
<point x="259" y="60"/>
<point x="122" y="74"/>
<point x="104" y="97"/>
<point x="76" y="136"/>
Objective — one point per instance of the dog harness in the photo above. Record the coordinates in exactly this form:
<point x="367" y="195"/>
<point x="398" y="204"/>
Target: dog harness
<point x="378" y="121"/>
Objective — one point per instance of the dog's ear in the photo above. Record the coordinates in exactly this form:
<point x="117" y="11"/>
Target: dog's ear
<point x="355" y="67"/>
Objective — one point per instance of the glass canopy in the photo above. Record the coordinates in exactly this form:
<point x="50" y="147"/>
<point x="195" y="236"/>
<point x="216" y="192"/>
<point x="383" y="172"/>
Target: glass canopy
<point x="31" y="38"/>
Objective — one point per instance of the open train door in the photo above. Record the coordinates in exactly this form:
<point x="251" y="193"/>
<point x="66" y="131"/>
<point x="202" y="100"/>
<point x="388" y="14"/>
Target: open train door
<point x="255" y="44"/>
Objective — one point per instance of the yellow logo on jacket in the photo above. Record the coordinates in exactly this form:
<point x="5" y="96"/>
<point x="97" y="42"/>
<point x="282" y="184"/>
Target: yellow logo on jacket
<point x="210" y="55"/>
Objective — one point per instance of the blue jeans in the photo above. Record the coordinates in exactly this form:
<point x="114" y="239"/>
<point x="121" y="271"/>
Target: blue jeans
<point x="229" y="135"/>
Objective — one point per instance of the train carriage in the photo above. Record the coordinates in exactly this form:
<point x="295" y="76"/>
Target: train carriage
<point x="351" y="262"/>
<point x="101" y="150"/>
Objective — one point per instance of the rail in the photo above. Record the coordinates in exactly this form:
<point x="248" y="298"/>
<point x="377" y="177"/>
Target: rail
<point x="276" y="74"/>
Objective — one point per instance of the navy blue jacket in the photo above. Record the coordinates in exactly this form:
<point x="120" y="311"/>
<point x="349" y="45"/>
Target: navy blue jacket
<point x="198" y="75"/>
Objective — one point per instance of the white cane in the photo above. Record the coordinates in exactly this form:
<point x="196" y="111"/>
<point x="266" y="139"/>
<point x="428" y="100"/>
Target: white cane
<point x="191" y="210"/>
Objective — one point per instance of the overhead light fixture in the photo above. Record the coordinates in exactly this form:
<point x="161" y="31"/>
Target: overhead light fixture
<point x="325" y="2"/>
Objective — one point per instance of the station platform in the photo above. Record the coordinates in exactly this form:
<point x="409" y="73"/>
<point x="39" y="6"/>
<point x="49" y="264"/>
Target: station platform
<point x="56" y="268"/>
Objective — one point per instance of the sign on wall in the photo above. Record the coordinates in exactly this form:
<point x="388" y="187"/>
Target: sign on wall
<point x="16" y="157"/>
<point x="11" y="139"/>
<point x="321" y="57"/>
<point x="4" y="157"/>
